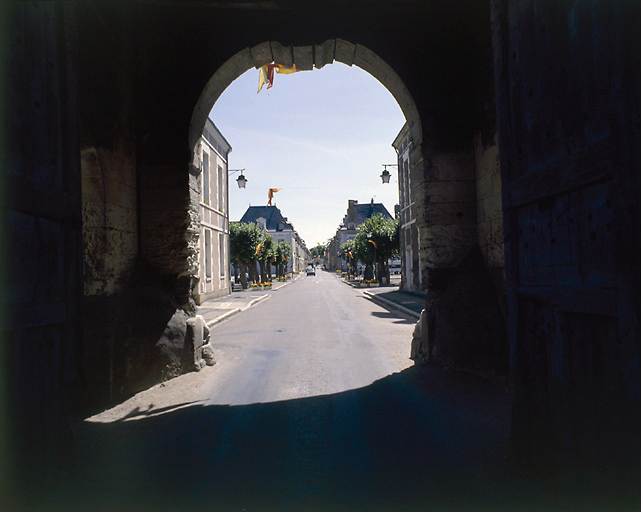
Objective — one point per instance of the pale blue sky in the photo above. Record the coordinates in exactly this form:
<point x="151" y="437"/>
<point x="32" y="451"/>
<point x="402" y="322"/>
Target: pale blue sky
<point x="320" y="136"/>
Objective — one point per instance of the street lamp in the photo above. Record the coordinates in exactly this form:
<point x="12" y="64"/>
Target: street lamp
<point x="241" y="180"/>
<point x="386" y="175"/>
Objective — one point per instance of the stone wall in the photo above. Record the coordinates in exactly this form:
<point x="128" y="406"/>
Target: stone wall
<point x="109" y="217"/>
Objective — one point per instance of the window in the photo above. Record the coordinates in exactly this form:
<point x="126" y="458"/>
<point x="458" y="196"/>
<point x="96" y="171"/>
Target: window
<point x="221" y="202"/>
<point x="221" y="251"/>
<point x="206" y="178"/>
<point x="406" y="173"/>
<point x="208" y="253"/>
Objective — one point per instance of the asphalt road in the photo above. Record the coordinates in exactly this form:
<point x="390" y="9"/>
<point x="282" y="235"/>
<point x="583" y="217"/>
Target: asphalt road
<point x="313" y="406"/>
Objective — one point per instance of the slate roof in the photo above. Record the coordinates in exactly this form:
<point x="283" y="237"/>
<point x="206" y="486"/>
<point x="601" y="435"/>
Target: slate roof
<point x="274" y="219"/>
<point x="364" y="211"/>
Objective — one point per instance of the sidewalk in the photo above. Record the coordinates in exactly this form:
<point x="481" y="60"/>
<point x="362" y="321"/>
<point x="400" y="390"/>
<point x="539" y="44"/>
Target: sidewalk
<point x="409" y="303"/>
<point x="217" y="310"/>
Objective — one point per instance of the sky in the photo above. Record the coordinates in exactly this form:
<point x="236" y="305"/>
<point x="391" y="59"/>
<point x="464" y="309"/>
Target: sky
<point x="320" y="136"/>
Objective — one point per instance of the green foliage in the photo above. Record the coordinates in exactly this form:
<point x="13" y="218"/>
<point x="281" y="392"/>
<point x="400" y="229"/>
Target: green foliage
<point x="319" y="250"/>
<point x="267" y="252"/>
<point x="283" y="252"/>
<point x="381" y="230"/>
<point x="348" y="248"/>
<point x="384" y="232"/>
<point x="243" y="240"/>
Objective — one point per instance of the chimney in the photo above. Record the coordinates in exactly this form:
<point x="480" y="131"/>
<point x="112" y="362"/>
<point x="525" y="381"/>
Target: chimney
<point x="350" y="209"/>
<point x="372" y="201"/>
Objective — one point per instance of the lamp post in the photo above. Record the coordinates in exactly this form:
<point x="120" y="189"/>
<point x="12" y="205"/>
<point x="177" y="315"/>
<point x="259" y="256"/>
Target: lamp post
<point x="241" y="180"/>
<point x="386" y="175"/>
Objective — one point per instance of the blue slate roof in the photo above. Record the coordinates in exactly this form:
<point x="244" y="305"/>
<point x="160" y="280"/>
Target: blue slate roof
<point x="272" y="215"/>
<point x="364" y="211"/>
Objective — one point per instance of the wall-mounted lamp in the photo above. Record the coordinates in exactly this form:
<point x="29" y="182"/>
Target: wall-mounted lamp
<point x="241" y="180"/>
<point x="385" y="176"/>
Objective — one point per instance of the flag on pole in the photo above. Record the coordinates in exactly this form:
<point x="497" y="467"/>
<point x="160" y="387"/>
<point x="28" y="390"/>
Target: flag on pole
<point x="282" y="70"/>
<point x="263" y="78"/>
<point x="266" y="74"/>
<point x="258" y="247"/>
<point x="373" y="243"/>
<point x="270" y="195"/>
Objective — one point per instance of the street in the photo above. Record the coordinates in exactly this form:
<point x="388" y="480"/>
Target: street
<point x="313" y="405"/>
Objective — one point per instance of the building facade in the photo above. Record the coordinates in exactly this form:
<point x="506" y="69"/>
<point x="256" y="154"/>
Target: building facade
<point x="270" y="220"/>
<point x="214" y="270"/>
<point x="356" y="214"/>
<point x="409" y="233"/>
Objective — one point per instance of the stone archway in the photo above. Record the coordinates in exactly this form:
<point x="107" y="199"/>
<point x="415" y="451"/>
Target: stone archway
<point x="304" y="58"/>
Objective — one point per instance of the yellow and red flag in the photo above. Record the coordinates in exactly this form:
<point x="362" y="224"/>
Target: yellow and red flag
<point x="266" y="74"/>
<point x="263" y="78"/>
<point x="270" y="195"/>
<point x="373" y="243"/>
<point x="258" y="248"/>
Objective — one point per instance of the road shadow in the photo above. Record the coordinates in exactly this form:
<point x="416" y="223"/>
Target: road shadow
<point x="423" y="439"/>
<point x="395" y="316"/>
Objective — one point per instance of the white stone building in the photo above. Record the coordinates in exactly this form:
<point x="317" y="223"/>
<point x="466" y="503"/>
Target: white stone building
<point x="356" y="214"/>
<point x="408" y="186"/>
<point x="271" y="220"/>
<point x="214" y="271"/>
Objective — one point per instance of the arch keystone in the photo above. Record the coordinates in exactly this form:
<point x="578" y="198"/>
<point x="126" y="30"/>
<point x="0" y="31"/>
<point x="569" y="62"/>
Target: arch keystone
<point x="282" y="54"/>
<point x="304" y="57"/>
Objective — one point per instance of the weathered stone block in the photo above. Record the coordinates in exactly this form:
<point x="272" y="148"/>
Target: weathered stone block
<point x="119" y="193"/>
<point x="484" y="186"/>
<point x="324" y="53"/>
<point x="420" y="349"/>
<point x="493" y="207"/>
<point x="345" y="52"/>
<point x="303" y="57"/>
<point x="449" y="213"/>
<point x="122" y="217"/>
<point x="450" y="167"/>
<point x="494" y="255"/>
<point x="282" y="54"/>
<point x="449" y="235"/>
<point x="208" y="355"/>
<point x="262" y="54"/>
<point x="450" y="191"/>
<point x="93" y="215"/>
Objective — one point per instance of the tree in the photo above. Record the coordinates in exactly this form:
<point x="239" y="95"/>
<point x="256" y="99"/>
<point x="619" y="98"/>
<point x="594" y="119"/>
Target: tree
<point x="376" y="242"/>
<point x="283" y="252"/>
<point x="266" y="257"/>
<point x="317" y="253"/>
<point x="348" y="252"/>
<point x="243" y="241"/>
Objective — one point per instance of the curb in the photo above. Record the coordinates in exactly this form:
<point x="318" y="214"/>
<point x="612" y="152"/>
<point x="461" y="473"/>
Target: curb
<point x="254" y="302"/>
<point x="393" y="305"/>
<point x="223" y="317"/>
<point x="234" y="312"/>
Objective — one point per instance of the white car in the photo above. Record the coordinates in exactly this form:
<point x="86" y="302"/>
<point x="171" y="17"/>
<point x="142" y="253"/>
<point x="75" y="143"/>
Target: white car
<point x="311" y="271"/>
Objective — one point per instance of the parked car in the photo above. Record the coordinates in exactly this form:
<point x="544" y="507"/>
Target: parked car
<point x="311" y="271"/>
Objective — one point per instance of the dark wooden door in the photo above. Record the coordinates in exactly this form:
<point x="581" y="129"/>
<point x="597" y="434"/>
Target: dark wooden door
<point x="41" y="223"/>
<point x="567" y="108"/>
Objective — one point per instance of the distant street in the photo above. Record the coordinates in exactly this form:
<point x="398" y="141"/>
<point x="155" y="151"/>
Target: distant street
<point x="313" y="337"/>
<point x="313" y="405"/>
